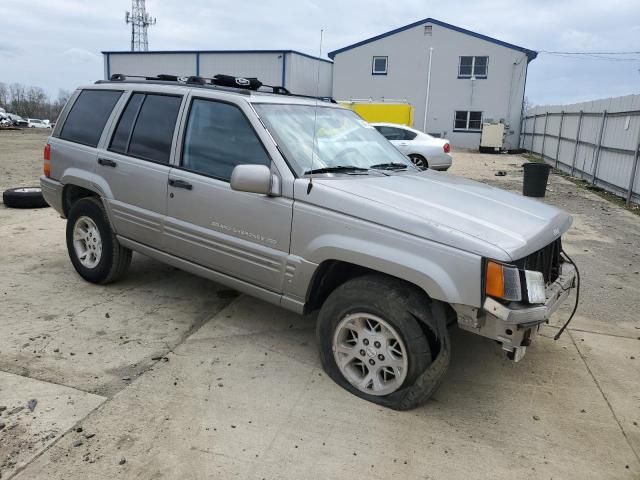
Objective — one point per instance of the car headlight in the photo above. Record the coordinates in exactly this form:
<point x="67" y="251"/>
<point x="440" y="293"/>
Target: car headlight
<point x="507" y="282"/>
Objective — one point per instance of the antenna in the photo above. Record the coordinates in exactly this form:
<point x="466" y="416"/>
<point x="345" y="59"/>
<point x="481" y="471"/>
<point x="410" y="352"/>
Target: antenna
<point x="315" y="113"/>
<point x="140" y="20"/>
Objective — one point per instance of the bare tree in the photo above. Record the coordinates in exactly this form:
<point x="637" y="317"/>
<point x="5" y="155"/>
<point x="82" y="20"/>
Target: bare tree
<point x="31" y="101"/>
<point x="4" y="95"/>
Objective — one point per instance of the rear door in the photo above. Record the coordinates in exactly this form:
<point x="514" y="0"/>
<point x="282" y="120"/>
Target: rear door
<point x="243" y="235"/>
<point x="135" y="164"/>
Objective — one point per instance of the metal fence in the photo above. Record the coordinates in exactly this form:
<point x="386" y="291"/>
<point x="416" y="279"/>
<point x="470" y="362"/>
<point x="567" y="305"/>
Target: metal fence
<point x="597" y="141"/>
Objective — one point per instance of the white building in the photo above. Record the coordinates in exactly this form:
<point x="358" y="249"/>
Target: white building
<point x="474" y="78"/>
<point x="296" y="71"/>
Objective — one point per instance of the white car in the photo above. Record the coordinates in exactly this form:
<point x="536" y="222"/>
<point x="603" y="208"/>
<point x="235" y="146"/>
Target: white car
<point x="35" y="123"/>
<point x="424" y="150"/>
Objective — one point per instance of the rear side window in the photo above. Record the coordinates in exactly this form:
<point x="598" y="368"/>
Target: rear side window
<point x="146" y="127"/>
<point x="219" y="137"/>
<point x="120" y="142"/>
<point x="391" y="133"/>
<point x="89" y="115"/>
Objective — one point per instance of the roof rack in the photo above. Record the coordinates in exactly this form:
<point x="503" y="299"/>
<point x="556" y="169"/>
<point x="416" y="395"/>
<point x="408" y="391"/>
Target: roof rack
<point x="241" y="85"/>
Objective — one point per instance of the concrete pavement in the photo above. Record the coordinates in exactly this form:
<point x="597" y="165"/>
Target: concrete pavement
<point x="173" y="376"/>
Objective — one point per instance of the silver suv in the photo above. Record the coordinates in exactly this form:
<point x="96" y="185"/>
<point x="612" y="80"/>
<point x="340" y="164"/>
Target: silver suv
<point x="301" y="203"/>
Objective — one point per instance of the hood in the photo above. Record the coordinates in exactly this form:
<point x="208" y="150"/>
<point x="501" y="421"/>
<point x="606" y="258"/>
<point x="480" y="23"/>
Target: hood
<point x="447" y="209"/>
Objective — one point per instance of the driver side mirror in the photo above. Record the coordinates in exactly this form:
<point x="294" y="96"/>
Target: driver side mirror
<point x="255" y="179"/>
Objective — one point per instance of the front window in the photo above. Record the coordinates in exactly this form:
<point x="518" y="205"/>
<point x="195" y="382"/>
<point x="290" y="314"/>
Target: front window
<point x="218" y="138"/>
<point x="342" y="138"/>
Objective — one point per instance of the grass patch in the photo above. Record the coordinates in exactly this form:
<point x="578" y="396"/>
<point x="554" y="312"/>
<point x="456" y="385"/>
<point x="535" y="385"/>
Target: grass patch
<point x="602" y="193"/>
<point x="533" y="158"/>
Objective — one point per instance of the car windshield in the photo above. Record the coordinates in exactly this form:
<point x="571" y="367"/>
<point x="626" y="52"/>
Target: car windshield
<point x="343" y="141"/>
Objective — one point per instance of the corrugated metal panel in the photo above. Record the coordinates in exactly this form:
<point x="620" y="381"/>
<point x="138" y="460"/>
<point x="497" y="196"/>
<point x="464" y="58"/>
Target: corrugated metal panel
<point x="302" y="76"/>
<point x="291" y="69"/>
<point x="609" y="141"/>
<point x="265" y="66"/>
<point x="152" y="64"/>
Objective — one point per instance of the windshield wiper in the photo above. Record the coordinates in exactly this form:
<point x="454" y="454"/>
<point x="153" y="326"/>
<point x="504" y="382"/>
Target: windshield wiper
<point x="336" y="169"/>
<point x="390" y="166"/>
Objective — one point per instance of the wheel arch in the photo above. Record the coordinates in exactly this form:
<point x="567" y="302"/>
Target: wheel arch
<point x="78" y="184"/>
<point x="336" y="270"/>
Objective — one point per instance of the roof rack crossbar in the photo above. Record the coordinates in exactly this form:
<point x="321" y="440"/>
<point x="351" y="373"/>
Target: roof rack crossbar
<point x="224" y="82"/>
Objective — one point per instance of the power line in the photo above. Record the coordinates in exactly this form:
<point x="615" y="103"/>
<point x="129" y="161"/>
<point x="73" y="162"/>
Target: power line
<point x="589" y="53"/>
<point x="594" y="56"/>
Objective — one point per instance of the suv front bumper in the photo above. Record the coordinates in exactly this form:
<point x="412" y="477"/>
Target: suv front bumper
<point x="514" y="324"/>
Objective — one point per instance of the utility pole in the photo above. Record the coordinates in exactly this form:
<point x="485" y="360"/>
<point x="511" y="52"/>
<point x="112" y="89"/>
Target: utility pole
<point x="140" y="20"/>
<point x="426" y="100"/>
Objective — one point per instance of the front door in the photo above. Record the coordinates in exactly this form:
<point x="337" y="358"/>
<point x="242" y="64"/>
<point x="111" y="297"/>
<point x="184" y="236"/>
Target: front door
<point x="135" y="166"/>
<point x="243" y="235"/>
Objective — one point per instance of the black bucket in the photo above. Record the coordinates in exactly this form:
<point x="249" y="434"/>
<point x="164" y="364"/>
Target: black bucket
<point x="535" y="179"/>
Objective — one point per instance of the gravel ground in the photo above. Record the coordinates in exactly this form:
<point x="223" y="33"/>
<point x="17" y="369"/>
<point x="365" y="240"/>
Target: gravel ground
<point x="166" y="375"/>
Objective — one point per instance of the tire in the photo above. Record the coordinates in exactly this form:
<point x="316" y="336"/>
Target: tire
<point x="24" y="197"/>
<point x="408" y="313"/>
<point x="419" y="161"/>
<point x="104" y="259"/>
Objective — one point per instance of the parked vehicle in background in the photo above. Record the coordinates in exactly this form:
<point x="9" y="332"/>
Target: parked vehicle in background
<point x="424" y="150"/>
<point x="17" y="120"/>
<point x="303" y="204"/>
<point x="36" y="123"/>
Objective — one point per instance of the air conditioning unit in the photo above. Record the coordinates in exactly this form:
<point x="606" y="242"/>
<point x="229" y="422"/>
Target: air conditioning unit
<point x="493" y="137"/>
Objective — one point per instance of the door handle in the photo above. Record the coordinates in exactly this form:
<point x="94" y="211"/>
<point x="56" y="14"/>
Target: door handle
<point x="106" y="162"/>
<point x="180" y="184"/>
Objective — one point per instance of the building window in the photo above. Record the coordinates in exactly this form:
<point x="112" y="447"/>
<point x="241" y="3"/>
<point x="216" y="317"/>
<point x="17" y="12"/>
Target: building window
<point x="379" y="66"/>
<point x="428" y="30"/>
<point x="466" y="121"/>
<point x="473" y="67"/>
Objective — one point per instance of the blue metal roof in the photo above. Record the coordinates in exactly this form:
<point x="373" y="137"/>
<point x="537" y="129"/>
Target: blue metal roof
<point x="216" y="51"/>
<point x="531" y="54"/>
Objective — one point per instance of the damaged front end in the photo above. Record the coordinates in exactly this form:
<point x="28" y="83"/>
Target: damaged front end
<point x="532" y="289"/>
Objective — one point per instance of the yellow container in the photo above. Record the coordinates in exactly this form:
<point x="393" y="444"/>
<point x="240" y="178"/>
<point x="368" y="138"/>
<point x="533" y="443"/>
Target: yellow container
<point x="400" y="113"/>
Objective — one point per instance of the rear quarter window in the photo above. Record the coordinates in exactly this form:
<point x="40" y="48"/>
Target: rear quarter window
<point x="89" y="115"/>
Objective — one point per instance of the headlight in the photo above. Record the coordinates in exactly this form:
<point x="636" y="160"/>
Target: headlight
<point x="535" y="286"/>
<point x="507" y="282"/>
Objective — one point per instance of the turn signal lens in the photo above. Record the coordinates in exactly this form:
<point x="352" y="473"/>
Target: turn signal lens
<point x="47" y="160"/>
<point x="502" y="281"/>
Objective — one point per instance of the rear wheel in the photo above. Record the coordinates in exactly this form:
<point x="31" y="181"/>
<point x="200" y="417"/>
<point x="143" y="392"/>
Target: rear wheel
<point x="372" y="344"/>
<point x="419" y="161"/>
<point x="93" y="247"/>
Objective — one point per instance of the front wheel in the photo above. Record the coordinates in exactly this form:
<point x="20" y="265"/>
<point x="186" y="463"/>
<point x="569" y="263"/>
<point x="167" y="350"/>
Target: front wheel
<point x="93" y="247"/>
<point x="372" y="344"/>
<point x="419" y="161"/>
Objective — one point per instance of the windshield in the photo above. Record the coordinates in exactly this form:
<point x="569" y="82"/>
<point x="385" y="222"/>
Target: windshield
<point x="342" y="138"/>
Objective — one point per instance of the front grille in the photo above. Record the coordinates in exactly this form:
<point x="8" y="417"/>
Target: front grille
<point x="546" y="260"/>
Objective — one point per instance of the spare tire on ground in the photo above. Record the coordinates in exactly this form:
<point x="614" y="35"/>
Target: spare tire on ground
<point x="24" y="197"/>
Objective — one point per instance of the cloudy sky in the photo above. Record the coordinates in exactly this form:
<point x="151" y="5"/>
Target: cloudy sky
<point x="57" y="43"/>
